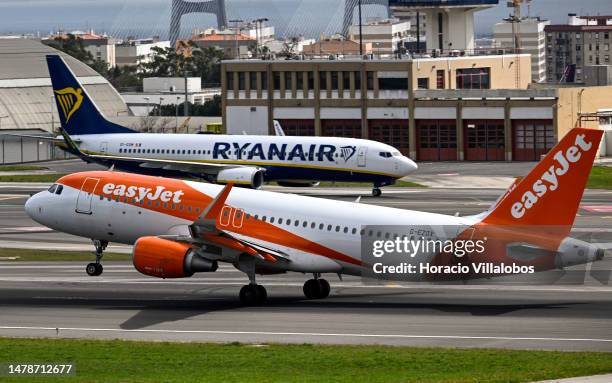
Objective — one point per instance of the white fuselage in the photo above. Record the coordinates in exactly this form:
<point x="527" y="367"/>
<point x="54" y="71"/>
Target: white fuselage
<point x="285" y="157"/>
<point x="332" y="225"/>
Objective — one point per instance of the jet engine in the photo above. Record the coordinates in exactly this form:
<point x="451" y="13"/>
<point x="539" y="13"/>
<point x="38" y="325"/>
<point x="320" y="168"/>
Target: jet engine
<point x="250" y="176"/>
<point x="162" y="258"/>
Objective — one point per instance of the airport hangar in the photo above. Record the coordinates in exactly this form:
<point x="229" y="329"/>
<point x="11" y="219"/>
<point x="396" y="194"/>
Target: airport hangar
<point x="26" y="99"/>
<point x="453" y="105"/>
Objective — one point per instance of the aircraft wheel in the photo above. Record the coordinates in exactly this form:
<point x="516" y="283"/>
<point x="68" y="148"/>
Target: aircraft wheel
<point x="94" y="269"/>
<point x="325" y="288"/>
<point x="253" y="295"/>
<point x="316" y="288"/>
<point x="376" y="192"/>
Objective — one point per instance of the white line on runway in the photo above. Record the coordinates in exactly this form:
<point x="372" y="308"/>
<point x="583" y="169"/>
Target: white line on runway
<point x="311" y="334"/>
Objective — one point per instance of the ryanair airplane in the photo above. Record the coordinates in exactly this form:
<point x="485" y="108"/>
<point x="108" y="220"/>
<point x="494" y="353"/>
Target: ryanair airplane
<point x="238" y="159"/>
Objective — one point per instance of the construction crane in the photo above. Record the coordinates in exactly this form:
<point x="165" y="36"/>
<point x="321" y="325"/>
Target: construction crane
<point x="515" y="18"/>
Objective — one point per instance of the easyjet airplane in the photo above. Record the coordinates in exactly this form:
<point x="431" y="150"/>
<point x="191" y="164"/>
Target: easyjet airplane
<point x="179" y="227"/>
<point x="239" y="159"/>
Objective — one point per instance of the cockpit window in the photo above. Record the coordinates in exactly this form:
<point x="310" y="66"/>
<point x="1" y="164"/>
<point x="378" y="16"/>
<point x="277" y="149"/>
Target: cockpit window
<point x="396" y="154"/>
<point x="52" y="188"/>
<point x="385" y="154"/>
<point x="59" y="189"/>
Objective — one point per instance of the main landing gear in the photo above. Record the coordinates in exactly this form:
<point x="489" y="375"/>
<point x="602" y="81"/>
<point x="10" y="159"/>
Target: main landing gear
<point x="251" y="294"/>
<point x="376" y="192"/>
<point x="316" y="288"/>
<point x="95" y="268"/>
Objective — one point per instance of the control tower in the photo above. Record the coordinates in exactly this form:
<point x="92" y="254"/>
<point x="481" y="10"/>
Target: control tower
<point x="450" y="23"/>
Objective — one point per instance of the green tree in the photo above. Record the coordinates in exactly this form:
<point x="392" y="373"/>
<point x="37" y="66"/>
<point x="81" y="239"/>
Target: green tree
<point x="211" y="108"/>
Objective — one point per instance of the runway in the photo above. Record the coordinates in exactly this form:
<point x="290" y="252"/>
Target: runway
<point x="58" y="299"/>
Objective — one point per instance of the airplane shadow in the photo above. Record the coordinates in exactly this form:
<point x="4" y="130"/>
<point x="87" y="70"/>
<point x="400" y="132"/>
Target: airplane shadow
<point x="152" y="310"/>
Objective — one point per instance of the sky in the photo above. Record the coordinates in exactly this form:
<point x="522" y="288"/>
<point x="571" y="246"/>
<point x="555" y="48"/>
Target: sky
<point x="144" y="18"/>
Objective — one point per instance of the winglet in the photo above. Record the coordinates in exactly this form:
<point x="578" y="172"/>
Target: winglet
<point x="208" y="218"/>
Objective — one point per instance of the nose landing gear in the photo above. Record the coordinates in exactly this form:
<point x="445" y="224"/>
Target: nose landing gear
<point x="95" y="269"/>
<point x="376" y="192"/>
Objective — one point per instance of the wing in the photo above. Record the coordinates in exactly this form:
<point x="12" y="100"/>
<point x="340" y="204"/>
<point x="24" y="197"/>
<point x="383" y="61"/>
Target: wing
<point x="207" y="231"/>
<point x="42" y="138"/>
<point x="188" y="167"/>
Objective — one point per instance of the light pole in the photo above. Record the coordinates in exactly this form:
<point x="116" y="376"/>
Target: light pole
<point x="360" y="34"/>
<point x="1" y="117"/>
<point x="236" y="21"/>
<point x="160" y="106"/>
<point x="176" y="114"/>
<point x="147" y="99"/>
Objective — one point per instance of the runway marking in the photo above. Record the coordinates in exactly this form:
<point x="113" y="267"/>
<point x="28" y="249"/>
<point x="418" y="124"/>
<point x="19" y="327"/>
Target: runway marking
<point x="597" y="208"/>
<point x="311" y="334"/>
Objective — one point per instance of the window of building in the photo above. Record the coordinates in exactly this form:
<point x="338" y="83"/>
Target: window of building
<point x="230" y="80"/>
<point x="393" y="83"/>
<point x="607" y="59"/>
<point x="288" y="82"/>
<point x="473" y="78"/>
<point x="346" y="80"/>
<point x="300" y="80"/>
<point x="264" y="80"/>
<point x="276" y="79"/>
<point x="241" y="80"/>
<point x="334" y="80"/>
<point x="310" y="80"/>
<point x="440" y="79"/>
<point x="323" y="80"/>
<point x="423" y="83"/>
<point x="370" y="80"/>
<point x="253" y="80"/>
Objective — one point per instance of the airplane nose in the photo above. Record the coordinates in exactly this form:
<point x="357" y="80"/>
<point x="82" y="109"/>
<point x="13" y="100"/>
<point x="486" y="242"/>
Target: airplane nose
<point x="31" y="206"/>
<point x="409" y="166"/>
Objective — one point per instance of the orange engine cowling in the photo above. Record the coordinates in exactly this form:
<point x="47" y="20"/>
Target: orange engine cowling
<point x="162" y="258"/>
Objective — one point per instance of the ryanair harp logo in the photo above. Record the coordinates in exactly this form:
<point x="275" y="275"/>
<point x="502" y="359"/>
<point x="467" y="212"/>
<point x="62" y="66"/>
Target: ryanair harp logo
<point x="347" y="152"/>
<point x="70" y="100"/>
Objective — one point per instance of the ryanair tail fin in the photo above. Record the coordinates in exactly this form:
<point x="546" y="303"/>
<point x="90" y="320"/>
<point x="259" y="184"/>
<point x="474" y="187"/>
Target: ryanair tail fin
<point x="550" y="194"/>
<point x="77" y="111"/>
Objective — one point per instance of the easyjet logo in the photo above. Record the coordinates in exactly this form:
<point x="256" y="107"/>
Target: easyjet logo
<point x="141" y="193"/>
<point x="549" y="180"/>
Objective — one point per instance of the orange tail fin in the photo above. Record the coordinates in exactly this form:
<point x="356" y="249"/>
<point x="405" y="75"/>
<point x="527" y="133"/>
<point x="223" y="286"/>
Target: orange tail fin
<point x="550" y="194"/>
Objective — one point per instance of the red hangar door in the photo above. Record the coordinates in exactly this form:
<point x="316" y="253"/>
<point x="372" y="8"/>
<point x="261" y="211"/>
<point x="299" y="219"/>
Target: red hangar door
<point x="436" y="140"/>
<point x="531" y="139"/>
<point x="484" y="140"/>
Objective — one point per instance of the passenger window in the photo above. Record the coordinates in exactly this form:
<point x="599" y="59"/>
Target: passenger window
<point x="312" y="225"/>
<point x="280" y="221"/>
<point x="264" y="218"/>
<point x="337" y="228"/>
<point x="271" y="219"/>
<point x="321" y="226"/>
<point x="329" y="227"/>
<point x="305" y="224"/>
<point x="345" y="230"/>
<point x="288" y="222"/>
<point x="297" y="223"/>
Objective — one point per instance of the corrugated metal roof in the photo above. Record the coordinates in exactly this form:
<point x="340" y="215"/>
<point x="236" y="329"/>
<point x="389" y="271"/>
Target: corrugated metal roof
<point x="26" y="97"/>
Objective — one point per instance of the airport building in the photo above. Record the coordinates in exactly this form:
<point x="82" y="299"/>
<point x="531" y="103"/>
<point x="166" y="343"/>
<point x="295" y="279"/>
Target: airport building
<point x="26" y="99"/>
<point x="443" y="108"/>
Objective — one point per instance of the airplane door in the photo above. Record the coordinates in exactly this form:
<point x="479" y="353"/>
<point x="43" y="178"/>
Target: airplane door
<point x="361" y="156"/>
<point x="103" y="147"/>
<point x="83" y="203"/>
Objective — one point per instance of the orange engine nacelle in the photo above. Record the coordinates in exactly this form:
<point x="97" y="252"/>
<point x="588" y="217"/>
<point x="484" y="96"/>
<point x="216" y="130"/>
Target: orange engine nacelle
<point x="162" y="258"/>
